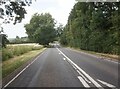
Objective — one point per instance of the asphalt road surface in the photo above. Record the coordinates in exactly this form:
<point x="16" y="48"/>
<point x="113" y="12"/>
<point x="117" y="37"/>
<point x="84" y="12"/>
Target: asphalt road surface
<point x="62" y="67"/>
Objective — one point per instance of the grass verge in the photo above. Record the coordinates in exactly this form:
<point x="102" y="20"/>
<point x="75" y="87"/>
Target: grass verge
<point x="12" y="64"/>
<point x="16" y="50"/>
<point x="111" y="56"/>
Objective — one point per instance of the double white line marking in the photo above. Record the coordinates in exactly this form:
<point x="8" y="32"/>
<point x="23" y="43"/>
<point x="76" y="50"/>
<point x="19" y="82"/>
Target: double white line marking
<point x="81" y="71"/>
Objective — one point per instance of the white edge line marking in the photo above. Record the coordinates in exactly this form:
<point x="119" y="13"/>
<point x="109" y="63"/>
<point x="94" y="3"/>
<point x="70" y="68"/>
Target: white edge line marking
<point x="90" y="78"/>
<point x="107" y="84"/>
<point x="22" y="71"/>
<point x="83" y="82"/>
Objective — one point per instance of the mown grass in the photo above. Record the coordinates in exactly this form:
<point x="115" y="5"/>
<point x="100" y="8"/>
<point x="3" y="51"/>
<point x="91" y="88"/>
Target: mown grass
<point x="12" y="51"/>
<point x="12" y="64"/>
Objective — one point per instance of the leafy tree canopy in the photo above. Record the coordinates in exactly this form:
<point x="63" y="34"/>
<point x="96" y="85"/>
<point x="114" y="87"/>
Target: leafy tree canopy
<point x="41" y="29"/>
<point x="13" y="10"/>
<point x="94" y="26"/>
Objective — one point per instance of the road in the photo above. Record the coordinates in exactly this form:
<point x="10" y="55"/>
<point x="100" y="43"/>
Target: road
<point x="62" y="67"/>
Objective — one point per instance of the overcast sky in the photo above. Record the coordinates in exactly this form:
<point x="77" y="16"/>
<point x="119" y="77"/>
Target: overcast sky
<point x="59" y="9"/>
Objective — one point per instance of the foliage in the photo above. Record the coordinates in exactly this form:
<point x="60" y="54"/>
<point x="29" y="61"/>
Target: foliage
<point x="41" y="29"/>
<point x="13" y="10"/>
<point x="94" y="26"/>
<point x="3" y="40"/>
<point x="59" y="30"/>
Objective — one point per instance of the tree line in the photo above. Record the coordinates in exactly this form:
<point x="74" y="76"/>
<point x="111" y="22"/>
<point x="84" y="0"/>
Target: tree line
<point x="93" y="26"/>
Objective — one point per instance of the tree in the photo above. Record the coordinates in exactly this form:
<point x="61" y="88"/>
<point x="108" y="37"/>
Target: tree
<point x="41" y="29"/>
<point x="3" y="40"/>
<point x="13" y="10"/>
<point x="63" y="36"/>
<point x="94" y="26"/>
<point x="59" y="31"/>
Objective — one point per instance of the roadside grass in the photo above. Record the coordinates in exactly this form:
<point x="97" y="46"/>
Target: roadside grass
<point x="111" y="56"/>
<point x="12" y="64"/>
<point x="16" y="50"/>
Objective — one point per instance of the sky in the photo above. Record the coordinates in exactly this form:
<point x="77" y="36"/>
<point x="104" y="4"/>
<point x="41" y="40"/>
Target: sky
<point x="59" y="9"/>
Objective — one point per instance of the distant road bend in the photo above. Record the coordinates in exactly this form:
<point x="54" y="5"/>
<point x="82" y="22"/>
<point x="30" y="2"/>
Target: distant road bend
<point x="62" y="67"/>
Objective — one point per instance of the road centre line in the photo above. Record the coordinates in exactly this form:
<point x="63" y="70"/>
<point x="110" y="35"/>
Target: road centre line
<point x="83" y="82"/>
<point x="22" y="71"/>
<point x="81" y="70"/>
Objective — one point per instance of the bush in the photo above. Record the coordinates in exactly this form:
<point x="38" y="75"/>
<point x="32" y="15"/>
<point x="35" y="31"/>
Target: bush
<point x="6" y="54"/>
